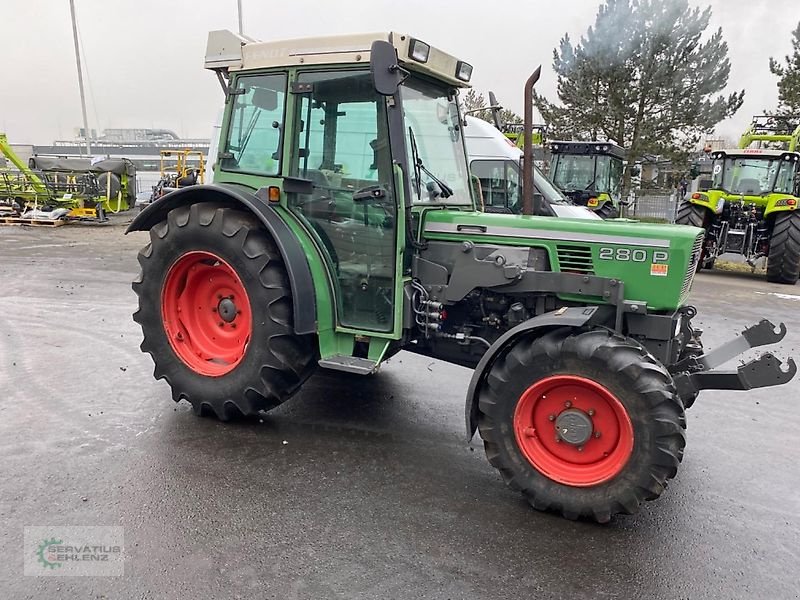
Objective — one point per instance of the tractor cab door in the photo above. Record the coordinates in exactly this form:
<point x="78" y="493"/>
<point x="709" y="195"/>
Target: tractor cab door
<point x="341" y="147"/>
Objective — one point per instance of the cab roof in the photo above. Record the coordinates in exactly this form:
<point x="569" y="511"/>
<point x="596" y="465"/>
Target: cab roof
<point x="573" y="147"/>
<point x="229" y="51"/>
<point x="754" y="153"/>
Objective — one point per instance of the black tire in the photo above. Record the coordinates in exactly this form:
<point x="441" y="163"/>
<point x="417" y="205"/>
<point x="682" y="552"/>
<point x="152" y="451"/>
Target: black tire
<point x="696" y="216"/>
<point x="631" y="374"/>
<point x="607" y="211"/>
<point x="275" y="362"/>
<point x="691" y="214"/>
<point x="783" y="263"/>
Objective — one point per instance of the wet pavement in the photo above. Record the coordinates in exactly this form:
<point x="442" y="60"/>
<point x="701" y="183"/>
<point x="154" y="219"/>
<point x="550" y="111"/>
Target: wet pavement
<point x="356" y="488"/>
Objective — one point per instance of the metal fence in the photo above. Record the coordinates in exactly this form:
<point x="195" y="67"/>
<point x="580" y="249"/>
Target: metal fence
<point x="660" y="206"/>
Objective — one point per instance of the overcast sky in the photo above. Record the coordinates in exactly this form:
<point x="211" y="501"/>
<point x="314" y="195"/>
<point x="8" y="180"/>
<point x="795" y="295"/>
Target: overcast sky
<point x="144" y="58"/>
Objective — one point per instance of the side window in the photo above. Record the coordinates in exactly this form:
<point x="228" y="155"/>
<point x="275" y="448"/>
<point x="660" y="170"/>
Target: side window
<point x="254" y="138"/>
<point x="499" y="182"/>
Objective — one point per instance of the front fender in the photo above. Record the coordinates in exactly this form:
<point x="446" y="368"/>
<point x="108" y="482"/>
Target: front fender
<point x="294" y="257"/>
<point x="563" y="317"/>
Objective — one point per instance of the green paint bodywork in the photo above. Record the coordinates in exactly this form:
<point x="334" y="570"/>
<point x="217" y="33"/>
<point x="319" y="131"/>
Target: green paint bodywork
<point x="661" y="292"/>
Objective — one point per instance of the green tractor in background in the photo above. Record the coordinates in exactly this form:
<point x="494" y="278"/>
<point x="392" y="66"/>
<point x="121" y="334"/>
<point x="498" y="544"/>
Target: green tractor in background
<point x="342" y="228"/>
<point x="750" y="208"/>
<point x="589" y="174"/>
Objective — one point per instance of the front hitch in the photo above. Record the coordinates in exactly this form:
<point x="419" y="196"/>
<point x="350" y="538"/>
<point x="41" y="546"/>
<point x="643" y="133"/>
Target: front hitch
<point x="696" y="373"/>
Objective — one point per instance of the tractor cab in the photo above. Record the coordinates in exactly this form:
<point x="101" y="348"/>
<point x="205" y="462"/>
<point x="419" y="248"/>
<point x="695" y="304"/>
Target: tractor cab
<point x="756" y="172"/>
<point x="589" y="173"/>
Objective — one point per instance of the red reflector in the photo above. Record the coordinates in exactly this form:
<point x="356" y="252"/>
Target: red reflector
<point x="791" y="202"/>
<point x="695" y="196"/>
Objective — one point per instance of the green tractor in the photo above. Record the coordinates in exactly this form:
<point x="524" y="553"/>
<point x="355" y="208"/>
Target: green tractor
<point x="342" y="228"/>
<point x="750" y="208"/>
<point x="589" y="174"/>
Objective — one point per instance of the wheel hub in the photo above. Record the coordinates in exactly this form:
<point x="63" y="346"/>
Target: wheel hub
<point x="574" y="426"/>
<point x="206" y="313"/>
<point x="573" y="430"/>
<point x="227" y="309"/>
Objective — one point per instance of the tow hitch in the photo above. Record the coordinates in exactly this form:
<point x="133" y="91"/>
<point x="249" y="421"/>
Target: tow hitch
<point x="697" y="372"/>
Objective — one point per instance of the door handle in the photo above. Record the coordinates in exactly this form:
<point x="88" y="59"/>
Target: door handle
<point x="478" y="228"/>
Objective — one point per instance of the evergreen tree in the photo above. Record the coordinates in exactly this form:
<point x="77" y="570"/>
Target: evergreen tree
<point x="643" y="77"/>
<point x="789" y="82"/>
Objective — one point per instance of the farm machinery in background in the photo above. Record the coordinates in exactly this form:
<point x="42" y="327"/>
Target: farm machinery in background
<point x="57" y="188"/>
<point x="588" y="173"/>
<point x="179" y="169"/>
<point x="751" y="206"/>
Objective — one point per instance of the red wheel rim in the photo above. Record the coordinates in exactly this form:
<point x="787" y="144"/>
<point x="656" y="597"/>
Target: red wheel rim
<point x="601" y="422"/>
<point x="206" y="313"/>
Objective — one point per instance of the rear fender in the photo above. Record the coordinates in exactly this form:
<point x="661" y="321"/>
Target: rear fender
<point x="294" y="257"/>
<point x="563" y="317"/>
<point x="707" y="200"/>
<point x="781" y="203"/>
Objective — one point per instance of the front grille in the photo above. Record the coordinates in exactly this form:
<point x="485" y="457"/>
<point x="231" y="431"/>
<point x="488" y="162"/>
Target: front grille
<point x="575" y="259"/>
<point x="694" y="258"/>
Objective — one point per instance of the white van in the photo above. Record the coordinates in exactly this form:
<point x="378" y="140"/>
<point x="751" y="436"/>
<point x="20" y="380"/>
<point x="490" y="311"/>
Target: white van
<point x="495" y="160"/>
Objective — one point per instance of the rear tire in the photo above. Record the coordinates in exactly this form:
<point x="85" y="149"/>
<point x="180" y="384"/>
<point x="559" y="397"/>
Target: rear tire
<point x="621" y="391"/>
<point x="783" y="263"/>
<point x="189" y="320"/>
<point x="696" y="216"/>
<point x="691" y="214"/>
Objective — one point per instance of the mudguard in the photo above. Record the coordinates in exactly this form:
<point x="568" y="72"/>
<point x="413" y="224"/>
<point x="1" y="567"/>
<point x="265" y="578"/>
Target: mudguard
<point x="563" y="317"/>
<point x="294" y="257"/>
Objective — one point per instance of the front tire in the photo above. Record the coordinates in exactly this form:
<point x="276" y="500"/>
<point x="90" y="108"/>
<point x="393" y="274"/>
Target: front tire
<point x="587" y="423"/>
<point x="783" y="263"/>
<point x="215" y="307"/>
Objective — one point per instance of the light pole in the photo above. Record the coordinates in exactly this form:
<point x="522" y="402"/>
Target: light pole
<point x="86" y="133"/>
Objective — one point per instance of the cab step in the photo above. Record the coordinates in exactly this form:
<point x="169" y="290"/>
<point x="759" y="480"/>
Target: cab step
<point x="349" y="364"/>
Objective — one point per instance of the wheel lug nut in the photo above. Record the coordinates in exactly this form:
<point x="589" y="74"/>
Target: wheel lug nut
<point x="591" y="412"/>
<point x="596" y="434"/>
<point x="179" y="336"/>
<point x="567" y="403"/>
<point x="558" y="439"/>
<point x="530" y="432"/>
<point x="580" y="448"/>
<point x="552" y="417"/>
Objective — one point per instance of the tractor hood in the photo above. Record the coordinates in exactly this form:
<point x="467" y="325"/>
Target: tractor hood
<point x="656" y="262"/>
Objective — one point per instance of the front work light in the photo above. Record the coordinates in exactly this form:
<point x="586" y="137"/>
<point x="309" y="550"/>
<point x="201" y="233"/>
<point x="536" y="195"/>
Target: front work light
<point x="419" y="51"/>
<point x="463" y="71"/>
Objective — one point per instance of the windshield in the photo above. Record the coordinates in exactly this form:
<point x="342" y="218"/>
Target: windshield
<point x="592" y="173"/>
<point x="749" y="176"/>
<point x="572" y="172"/>
<point x="435" y="145"/>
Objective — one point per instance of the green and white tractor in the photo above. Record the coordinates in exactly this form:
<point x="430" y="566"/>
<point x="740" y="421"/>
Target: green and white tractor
<point x="751" y="206"/>
<point x="342" y="228"/>
<point x="589" y="174"/>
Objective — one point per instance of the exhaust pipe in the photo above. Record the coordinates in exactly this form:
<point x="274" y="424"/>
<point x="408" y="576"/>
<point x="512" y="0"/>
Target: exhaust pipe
<point x="530" y="201"/>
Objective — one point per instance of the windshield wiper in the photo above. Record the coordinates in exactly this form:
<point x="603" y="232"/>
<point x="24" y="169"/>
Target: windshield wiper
<point x="419" y="167"/>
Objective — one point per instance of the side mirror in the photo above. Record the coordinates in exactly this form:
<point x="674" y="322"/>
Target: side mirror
<point x="386" y="73"/>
